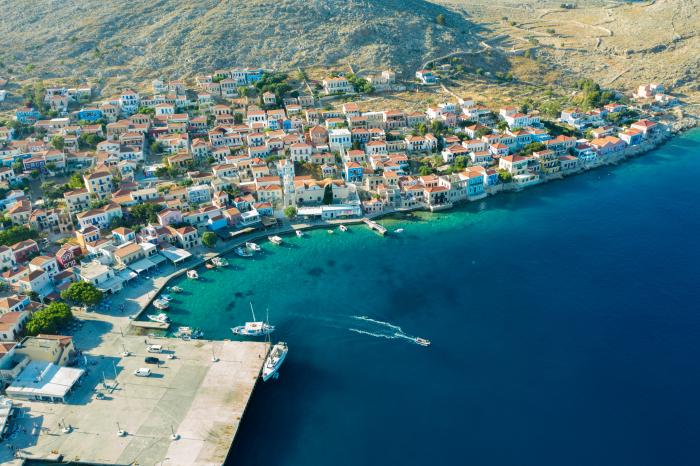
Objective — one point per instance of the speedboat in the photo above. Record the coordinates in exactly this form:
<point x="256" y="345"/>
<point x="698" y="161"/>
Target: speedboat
<point x="161" y="304"/>
<point x="275" y="239"/>
<point x="242" y="252"/>
<point x="274" y="360"/>
<point x="343" y="228"/>
<point x="161" y="318"/>
<point x="299" y="233"/>
<point x="253" y="329"/>
<point x="253" y="246"/>
<point x="398" y="230"/>
<point x="192" y="274"/>
<point x="176" y="289"/>
<point x="422" y="341"/>
<point x="219" y="262"/>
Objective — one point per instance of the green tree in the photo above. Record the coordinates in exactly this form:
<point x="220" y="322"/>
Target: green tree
<point x="17" y="167"/>
<point x="16" y="234"/>
<point x="82" y="293"/>
<point x="58" y="142"/>
<point x="145" y="213"/>
<point x="328" y="194"/>
<point x="290" y="212"/>
<point x="461" y="162"/>
<point x="76" y="181"/>
<point x="209" y="239"/>
<point x="505" y="176"/>
<point x="49" y="319"/>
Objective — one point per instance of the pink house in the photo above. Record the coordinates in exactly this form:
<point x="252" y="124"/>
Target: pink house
<point x="169" y="216"/>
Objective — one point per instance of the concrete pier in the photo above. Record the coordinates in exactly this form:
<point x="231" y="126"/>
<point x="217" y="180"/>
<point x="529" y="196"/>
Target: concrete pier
<point x="200" y="395"/>
<point x="375" y="226"/>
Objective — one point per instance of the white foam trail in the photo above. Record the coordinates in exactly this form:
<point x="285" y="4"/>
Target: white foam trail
<point x="377" y="335"/>
<point x="379" y="322"/>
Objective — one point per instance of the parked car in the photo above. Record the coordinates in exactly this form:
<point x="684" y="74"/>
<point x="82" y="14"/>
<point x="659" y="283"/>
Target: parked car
<point x="152" y="360"/>
<point x="142" y="372"/>
<point x="155" y="348"/>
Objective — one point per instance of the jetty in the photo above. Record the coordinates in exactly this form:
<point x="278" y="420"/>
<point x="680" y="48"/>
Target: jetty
<point x="150" y="325"/>
<point x="375" y="226"/>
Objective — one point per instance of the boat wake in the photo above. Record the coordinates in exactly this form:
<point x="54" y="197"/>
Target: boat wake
<point x="379" y="329"/>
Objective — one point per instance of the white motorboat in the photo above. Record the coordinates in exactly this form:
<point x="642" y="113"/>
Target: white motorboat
<point x="166" y="297"/>
<point x="253" y="246"/>
<point x="275" y="239"/>
<point x="162" y="318"/>
<point x="254" y="328"/>
<point x="343" y="228"/>
<point x="398" y="230"/>
<point x="192" y="274"/>
<point x="243" y="252"/>
<point x="330" y="232"/>
<point x="188" y="333"/>
<point x="176" y="289"/>
<point x="219" y="262"/>
<point x="161" y="304"/>
<point x="299" y="233"/>
<point x="274" y="360"/>
<point x="422" y="341"/>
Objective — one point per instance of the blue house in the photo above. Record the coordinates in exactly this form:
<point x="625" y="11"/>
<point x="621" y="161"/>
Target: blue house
<point x="27" y="116"/>
<point x="491" y="178"/>
<point x="216" y="223"/>
<point x="353" y="172"/>
<point x="253" y="75"/>
<point x="89" y="114"/>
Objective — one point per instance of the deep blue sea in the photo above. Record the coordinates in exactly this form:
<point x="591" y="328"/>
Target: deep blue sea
<point x="564" y="320"/>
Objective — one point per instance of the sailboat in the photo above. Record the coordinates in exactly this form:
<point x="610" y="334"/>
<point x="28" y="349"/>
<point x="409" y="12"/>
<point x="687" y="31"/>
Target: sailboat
<point x="274" y="360"/>
<point x="254" y="328"/>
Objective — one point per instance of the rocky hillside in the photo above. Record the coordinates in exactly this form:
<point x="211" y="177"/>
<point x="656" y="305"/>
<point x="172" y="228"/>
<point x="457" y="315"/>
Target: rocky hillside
<point x="112" y="38"/>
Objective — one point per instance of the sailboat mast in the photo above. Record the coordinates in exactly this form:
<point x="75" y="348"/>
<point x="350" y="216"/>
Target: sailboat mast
<point x="252" y="311"/>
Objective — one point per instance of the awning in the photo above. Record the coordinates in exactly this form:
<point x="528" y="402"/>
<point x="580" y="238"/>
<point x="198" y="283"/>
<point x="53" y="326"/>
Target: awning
<point x="175" y="255"/>
<point x="127" y="275"/>
<point x="142" y="265"/>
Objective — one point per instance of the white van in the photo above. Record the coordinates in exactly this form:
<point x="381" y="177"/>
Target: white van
<point x="142" y="372"/>
<point x="155" y="348"/>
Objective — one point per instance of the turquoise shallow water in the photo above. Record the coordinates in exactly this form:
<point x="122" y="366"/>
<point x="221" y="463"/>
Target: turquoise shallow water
<point x="564" y="322"/>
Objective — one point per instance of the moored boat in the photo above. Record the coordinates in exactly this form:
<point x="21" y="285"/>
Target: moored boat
<point x="398" y="230"/>
<point x="161" y="318"/>
<point x="161" y="304"/>
<point x="192" y="274"/>
<point x="330" y="232"/>
<point x="219" y="262"/>
<point x="343" y="228"/>
<point x="242" y="252"/>
<point x="176" y="289"/>
<point x="299" y="233"/>
<point x="166" y="297"/>
<point x="209" y="265"/>
<point x="253" y="246"/>
<point x="275" y="239"/>
<point x="274" y="360"/>
<point x="254" y="328"/>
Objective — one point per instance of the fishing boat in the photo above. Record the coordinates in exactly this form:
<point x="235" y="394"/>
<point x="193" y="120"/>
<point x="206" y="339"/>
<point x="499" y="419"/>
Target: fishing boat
<point x="343" y="228"/>
<point x="161" y="304"/>
<point x="192" y="274"/>
<point x="422" y="341"/>
<point x="398" y="230"/>
<point x="275" y="239"/>
<point x="274" y="360"/>
<point x="219" y="262"/>
<point x="299" y="233"/>
<point x="254" y="328"/>
<point x="242" y="252"/>
<point x="162" y="318"/>
<point x="253" y="246"/>
<point x="176" y="289"/>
